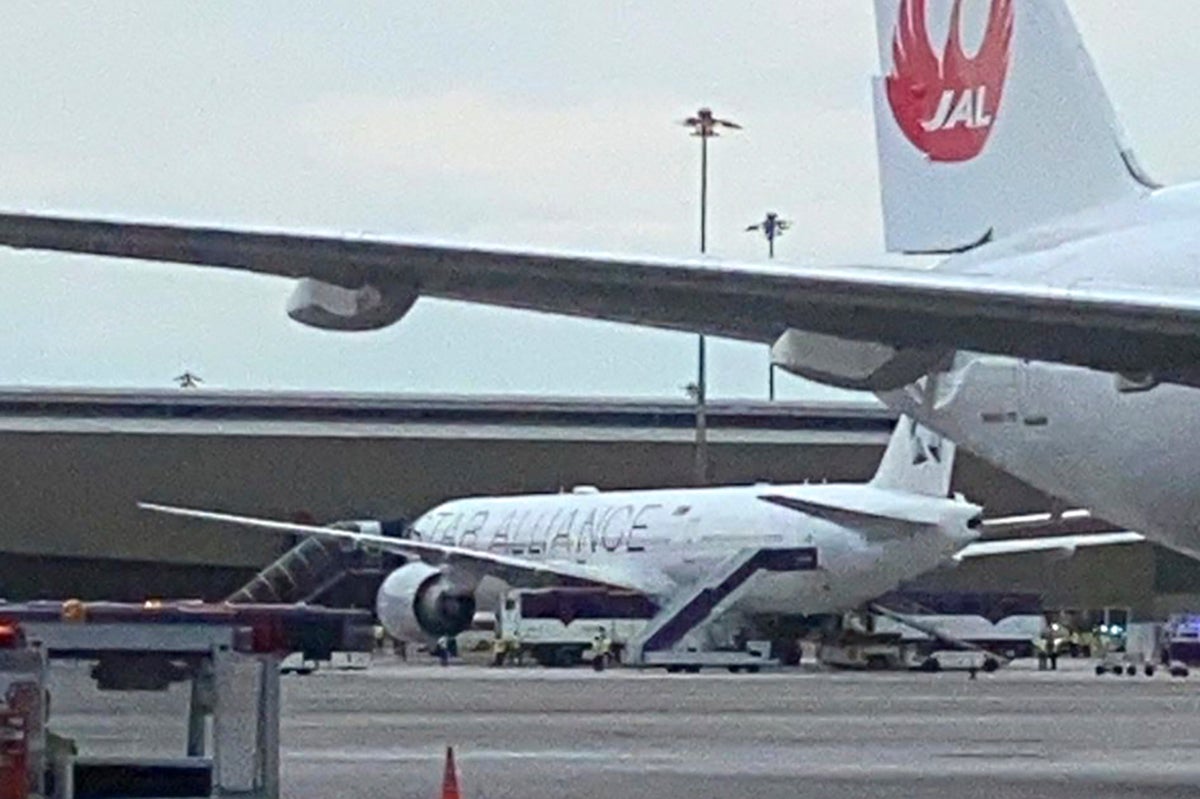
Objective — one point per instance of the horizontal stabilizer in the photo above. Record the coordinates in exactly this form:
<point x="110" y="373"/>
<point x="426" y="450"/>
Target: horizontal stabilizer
<point x="1058" y="544"/>
<point x="873" y="525"/>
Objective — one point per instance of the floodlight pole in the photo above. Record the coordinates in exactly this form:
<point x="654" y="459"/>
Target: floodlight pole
<point x="700" y="475"/>
<point x="704" y="125"/>
<point x="772" y="227"/>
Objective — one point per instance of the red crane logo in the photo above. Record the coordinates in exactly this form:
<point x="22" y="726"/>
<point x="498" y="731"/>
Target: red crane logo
<point x="947" y="106"/>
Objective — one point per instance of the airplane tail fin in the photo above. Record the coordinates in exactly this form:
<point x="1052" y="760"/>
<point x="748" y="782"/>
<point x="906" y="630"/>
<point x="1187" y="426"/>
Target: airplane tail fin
<point x="990" y="119"/>
<point x="917" y="461"/>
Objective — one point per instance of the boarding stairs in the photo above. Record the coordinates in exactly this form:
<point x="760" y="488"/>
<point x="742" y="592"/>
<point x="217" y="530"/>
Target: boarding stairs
<point x="662" y="642"/>
<point x="311" y="570"/>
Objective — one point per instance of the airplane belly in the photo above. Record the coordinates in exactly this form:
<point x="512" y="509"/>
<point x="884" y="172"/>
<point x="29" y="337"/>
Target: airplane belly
<point x="797" y="593"/>
<point x="848" y="580"/>
<point x="1069" y="431"/>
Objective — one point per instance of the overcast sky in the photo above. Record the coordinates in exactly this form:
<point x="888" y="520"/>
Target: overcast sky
<point x="547" y="123"/>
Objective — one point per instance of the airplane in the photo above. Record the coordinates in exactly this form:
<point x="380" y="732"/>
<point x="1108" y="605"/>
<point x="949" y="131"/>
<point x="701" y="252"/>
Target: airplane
<point x="1058" y="337"/>
<point x="733" y="553"/>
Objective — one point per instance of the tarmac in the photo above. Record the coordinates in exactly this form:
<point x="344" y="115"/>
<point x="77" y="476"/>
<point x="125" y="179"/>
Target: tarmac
<point x="533" y="733"/>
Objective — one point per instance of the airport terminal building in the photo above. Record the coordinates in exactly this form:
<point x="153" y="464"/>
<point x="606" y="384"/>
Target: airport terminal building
<point x="78" y="462"/>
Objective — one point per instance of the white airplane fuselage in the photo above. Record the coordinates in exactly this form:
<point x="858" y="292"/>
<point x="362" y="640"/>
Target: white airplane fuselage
<point x="1128" y="455"/>
<point x="683" y="535"/>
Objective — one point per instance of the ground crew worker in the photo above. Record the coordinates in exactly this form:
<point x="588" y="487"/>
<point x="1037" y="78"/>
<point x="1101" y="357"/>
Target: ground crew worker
<point x="601" y="647"/>
<point x="442" y="650"/>
<point x="499" y="650"/>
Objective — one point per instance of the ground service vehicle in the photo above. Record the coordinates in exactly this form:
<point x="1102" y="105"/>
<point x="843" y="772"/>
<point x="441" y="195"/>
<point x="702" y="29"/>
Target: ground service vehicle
<point x="556" y="626"/>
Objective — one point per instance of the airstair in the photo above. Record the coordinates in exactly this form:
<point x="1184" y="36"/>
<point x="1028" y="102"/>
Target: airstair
<point x="310" y="570"/>
<point x="662" y="642"/>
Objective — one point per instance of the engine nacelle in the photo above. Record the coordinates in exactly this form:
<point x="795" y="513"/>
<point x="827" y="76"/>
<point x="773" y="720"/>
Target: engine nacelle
<point x="332" y="307"/>
<point x="852" y="364"/>
<point x="418" y="602"/>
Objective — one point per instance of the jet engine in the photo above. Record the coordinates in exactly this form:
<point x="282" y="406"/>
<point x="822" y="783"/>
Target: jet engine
<point x="331" y="307"/>
<point x="420" y="602"/>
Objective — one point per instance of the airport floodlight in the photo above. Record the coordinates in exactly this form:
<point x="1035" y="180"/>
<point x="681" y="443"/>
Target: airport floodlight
<point x="772" y="227"/>
<point x="704" y="126"/>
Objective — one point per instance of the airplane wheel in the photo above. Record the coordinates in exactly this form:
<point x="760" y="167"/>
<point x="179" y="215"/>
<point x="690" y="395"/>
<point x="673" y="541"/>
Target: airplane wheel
<point x="735" y="669"/>
<point x="752" y="669"/>
<point x="692" y="669"/>
<point x="789" y="653"/>
<point x="1148" y="669"/>
<point x="1131" y="671"/>
<point x="566" y="657"/>
<point x="1100" y="670"/>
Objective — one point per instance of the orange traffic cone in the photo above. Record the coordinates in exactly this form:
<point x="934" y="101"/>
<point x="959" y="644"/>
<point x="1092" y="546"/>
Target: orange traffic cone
<point x="450" y="777"/>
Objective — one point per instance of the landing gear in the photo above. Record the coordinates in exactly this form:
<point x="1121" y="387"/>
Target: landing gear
<point x="787" y="651"/>
<point x="562" y="657"/>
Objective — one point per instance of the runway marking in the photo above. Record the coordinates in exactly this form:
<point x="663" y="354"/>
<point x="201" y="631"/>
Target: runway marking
<point x="473" y="755"/>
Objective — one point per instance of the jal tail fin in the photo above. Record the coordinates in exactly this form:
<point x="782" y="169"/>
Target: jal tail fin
<point x="990" y="119"/>
<point x="916" y="461"/>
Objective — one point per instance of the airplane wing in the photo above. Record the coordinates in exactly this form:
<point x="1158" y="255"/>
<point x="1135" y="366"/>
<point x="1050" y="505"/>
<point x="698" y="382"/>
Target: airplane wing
<point x="1063" y="544"/>
<point x="1115" y="328"/>
<point x="517" y="572"/>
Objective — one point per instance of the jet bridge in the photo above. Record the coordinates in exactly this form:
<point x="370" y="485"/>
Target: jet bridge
<point x="663" y="641"/>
